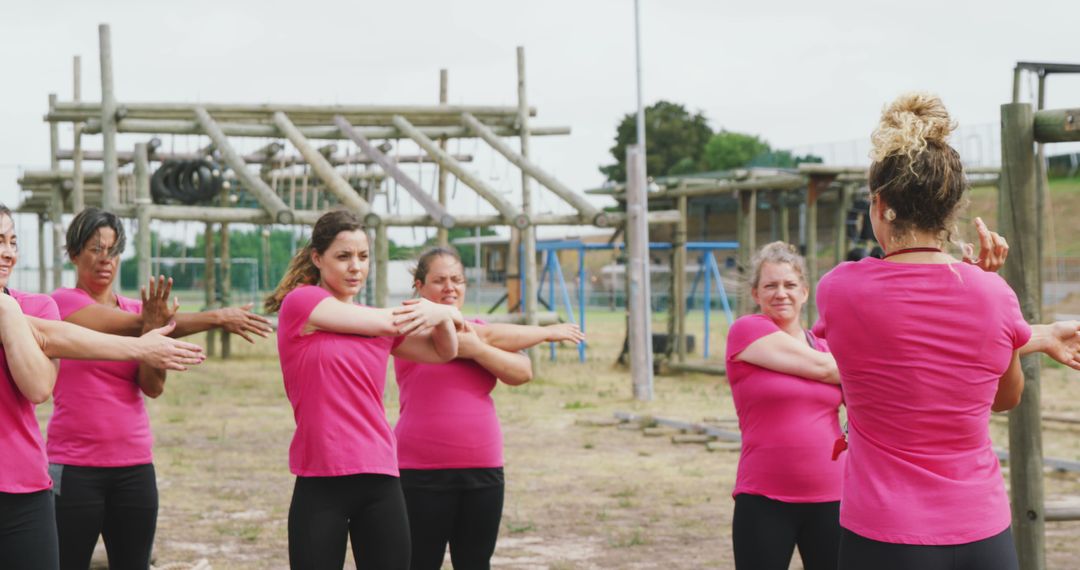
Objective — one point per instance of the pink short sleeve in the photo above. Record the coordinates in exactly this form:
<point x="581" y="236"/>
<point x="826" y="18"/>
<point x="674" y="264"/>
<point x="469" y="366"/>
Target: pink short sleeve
<point x="1019" y="328"/>
<point x="70" y="301"/>
<point x="297" y="307"/>
<point x="745" y="331"/>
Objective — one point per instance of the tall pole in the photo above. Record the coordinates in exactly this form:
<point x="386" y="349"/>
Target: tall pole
<point x="56" y="204"/>
<point x="638" y="293"/>
<point x="442" y="233"/>
<point x="109" y="182"/>
<point x="142" y="209"/>
<point x="528" y="234"/>
<point x="640" y="97"/>
<point x="78" y="200"/>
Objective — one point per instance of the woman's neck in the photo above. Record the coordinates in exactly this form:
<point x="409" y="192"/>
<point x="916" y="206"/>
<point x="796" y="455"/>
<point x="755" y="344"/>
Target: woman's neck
<point x="923" y="242"/>
<point x="793" y="328"/>
<point x="103" y="296"/>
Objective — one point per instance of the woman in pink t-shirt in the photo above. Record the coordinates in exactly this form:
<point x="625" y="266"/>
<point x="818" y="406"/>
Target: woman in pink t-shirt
<point x="334" y="354"/>
<point x="927" y="347"/>
<point x="99" y="439"/>
<point x="450" y="446"/>
<point x="787" y="395"/>
<point x="31" y="339"/>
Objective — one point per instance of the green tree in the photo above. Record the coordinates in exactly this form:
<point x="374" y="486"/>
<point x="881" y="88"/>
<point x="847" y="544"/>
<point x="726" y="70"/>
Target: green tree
<point x="729" y="149"/>
<point x="783" y="159"/>
<point x="673" y="138"/>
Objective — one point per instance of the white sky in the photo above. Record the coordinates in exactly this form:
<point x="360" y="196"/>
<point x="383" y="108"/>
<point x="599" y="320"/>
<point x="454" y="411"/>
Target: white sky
<point x="794" y="72"/>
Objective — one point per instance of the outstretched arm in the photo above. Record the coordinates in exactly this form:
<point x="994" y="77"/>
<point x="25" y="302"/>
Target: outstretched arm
<point x="1010" y="387"/>
<point x="513" y="338"/>
<point x="59" y="339"/>
<point x="784" y="353"/>
<point x="31" y="369"/>
<point x="1060" y="341"/>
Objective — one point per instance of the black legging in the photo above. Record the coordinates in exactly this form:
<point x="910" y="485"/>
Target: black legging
<point x="118" y="503"/>
<point x="28" y="531"/>
<point x="994" y="553"/>
<point x="765" y="533"/>
<point x="467" y="519"/>
<point x="369" y="509"/>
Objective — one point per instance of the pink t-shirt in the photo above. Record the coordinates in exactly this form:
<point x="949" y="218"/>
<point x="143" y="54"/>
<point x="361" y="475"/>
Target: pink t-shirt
<point x="921" y="349"/>
<point x="448" y="418"/>
<point x="25" y="468"/>
<point x="99" y="417"/>
<point x="789" y="424"/>
<point x="335" y="385"/>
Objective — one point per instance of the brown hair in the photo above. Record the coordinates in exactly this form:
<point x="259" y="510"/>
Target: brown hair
<point x="302" y="270"/>
<point x="915" y="171"/>
<point x="87" y="223"/>
<point x="778" y="252"/>
<point x="423" y="263"/>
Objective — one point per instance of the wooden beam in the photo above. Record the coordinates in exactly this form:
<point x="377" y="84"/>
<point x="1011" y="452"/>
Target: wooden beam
<point x="142" y="209"/>
<point x="1057" y="125"/>
<point x="528" y="234"/>
<point x="382" y="265"/>
<point x="43" y="272"/>
<point x="678" y="268"/>
<point x="1018" y="211"/>
<point x="106" y="112"/>
<point x="433" y="208"/>
<point x="263" y="193"/>
<point x="638" y="276"/>
<point x="514" y="217"/>
<point x="582" y="205"/>
<point x="324" y="170"/>
<point x="78" y="201"/>
<point x="442" y="236"/>
<point x="746" y="228"/>
<point x="817" y="185"/>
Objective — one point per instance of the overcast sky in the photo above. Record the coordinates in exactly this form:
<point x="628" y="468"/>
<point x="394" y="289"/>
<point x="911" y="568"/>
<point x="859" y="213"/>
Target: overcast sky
<point x="794" y="72"/>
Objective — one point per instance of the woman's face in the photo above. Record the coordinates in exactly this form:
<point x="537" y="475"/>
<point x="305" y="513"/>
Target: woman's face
<point x="9" y="249"/>
<point x="444" y="282"/>
<point x="780" y="292"/>
<point x="343" y="267"/>
<point x="96" y="265"/>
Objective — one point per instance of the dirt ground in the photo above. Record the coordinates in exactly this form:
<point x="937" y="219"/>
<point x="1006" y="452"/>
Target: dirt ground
<point x="577" y="497"/>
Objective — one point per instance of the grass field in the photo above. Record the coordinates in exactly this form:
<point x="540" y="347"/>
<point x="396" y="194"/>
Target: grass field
<point x="577" y="497"/>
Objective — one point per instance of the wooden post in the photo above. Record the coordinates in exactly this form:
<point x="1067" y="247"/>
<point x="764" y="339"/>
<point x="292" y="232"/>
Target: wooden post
<point x="1043" y="195"/>
<point x="264" y="234"/>
<point x="843" y="198"/>
<point x="638" y="272"/>
<point x="746" y="228"/>
<point x="56" y="203"/>
<point x="142" y="209"/>
<point x="226" y="277"/>
<point x="266" y="196"/>
<point x="443" y="235"/>
<point x="382" y="267"/>
<point x="110" y="193"/>
<point x="678" y="304"/>
<point x="1018" y="208"/>
<point x="78" y="200"/>
<point x="43" y="271"/>
<point x="528" y="234"/>
<point x="785" y="217"/>
<point x="816" y="185"/>
<point x="211" y="288"/>
<point x="369" y="285"/>
<point x="1016" y="84"/>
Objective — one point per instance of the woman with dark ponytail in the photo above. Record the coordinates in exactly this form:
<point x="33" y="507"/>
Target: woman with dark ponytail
<point x="334" y="354"/>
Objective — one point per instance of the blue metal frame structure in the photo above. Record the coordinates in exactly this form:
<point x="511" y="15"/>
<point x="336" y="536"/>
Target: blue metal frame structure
<point x="552" y="272"/>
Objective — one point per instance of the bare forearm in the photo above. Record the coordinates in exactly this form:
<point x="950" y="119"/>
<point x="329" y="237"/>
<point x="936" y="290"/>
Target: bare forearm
<point x="191" y="323"/>
<point x="512" y="368"/>
<point x="1040" y="339"/>
<point x="151" y="380"/>
<point x="67" y="340"/>
<point x="444" y="340"/>
<point x="512" y="338"/>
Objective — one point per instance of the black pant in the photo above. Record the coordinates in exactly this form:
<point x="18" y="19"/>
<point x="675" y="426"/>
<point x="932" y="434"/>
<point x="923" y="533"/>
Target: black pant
<point x="994" y="553"/>
<point x="467" y="519"/>
<point x="118" y="503"/>
<point x="765" y="533"/>
<point x="367" y="508"/>
<point x="28" y="531"/>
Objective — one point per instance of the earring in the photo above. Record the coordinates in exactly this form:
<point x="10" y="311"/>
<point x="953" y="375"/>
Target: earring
<point x="890" y="214"/>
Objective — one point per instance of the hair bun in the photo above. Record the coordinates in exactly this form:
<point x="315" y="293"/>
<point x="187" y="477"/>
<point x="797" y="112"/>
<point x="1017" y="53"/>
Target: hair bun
<point x="909" y="124"/>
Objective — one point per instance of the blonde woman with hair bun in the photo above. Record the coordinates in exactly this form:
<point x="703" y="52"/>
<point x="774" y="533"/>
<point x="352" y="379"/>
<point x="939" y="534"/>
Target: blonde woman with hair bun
<point x="787" y="396"/>
<point x="927" y="346"/>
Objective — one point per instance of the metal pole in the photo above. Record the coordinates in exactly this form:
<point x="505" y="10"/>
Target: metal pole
<point x="640" y="98"/>
<point x="109" y="181"/>
<point x="640" y="321"/>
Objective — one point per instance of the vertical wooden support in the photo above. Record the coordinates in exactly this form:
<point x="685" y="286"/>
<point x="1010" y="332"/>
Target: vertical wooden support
<point x="843" y="198"/>
<point x="785" y="217"/>
<point x="43" y="270"/>
<point x="56" y="203"/>
<point x="382" y="267"/>
<point x="1016" y="84"/>
<point x="142" y="212"/>
<point x="746" y="228"/>
<point x="109" y="182"/>
<point x="1043" y="195"/>
<point x="211" y="287"/>
<point x="814" y="188"/>
<point x="678" y="303"/>
<point x="1020" y="220"/>
<point x="78" y="194"/>
<point x="443" y="234"/>
<point x="264" y="272"/>
<point x="226" y="276"/>
<point x="529" y="232"/>
<point x="369" y="285"/>
<point x="638" y="272"/>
